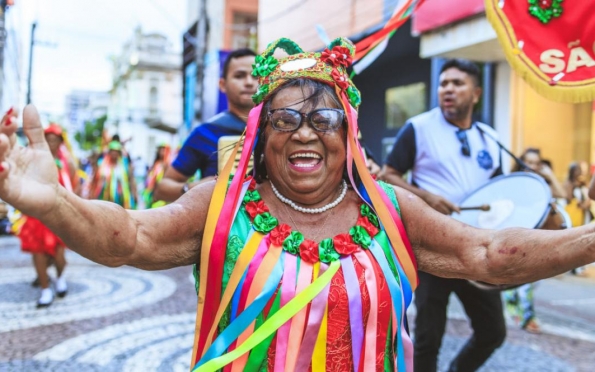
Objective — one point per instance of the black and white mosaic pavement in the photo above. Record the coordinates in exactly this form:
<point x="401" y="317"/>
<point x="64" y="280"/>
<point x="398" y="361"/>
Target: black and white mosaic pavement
<point x="94" y="291"/>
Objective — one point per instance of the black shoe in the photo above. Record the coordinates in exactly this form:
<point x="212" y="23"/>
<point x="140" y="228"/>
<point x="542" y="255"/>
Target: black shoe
<point x="35" y="283"/>
<point x="43" y="306"/>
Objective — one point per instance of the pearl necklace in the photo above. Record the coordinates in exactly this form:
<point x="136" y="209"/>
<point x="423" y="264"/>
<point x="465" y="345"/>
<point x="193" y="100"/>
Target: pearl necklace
<point x="312" y="210"/>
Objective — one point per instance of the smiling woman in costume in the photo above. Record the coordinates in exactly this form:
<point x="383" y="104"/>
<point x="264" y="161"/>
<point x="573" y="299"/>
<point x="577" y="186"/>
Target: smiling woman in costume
<point x="308" y="263"/>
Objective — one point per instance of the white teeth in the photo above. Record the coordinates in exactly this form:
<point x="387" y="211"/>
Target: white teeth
<point x="304" y="165"/>
<point x="305" y="155"/>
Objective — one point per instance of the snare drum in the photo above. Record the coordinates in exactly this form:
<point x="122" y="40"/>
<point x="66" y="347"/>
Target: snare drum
<point x="517" y="200"/>
<point x="520" y="199"/>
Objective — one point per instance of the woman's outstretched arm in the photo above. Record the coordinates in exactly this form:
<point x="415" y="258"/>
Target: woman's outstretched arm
<point x="449" y="248"/>
<point x="101" y="231"/>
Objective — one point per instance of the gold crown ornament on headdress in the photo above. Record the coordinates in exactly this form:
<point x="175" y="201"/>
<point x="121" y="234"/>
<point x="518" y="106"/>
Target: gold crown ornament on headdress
<point x="329" y="66"/>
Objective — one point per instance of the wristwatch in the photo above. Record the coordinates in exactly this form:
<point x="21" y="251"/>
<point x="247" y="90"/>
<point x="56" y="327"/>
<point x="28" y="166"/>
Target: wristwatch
<point x="185" y="188"/>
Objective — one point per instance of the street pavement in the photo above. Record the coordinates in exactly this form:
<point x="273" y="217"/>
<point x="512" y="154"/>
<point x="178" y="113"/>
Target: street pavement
<point x="126" y="319"/>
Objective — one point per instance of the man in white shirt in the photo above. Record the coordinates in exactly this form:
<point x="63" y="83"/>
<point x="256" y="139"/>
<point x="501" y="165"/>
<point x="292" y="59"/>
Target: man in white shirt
<point x="449" y="156"/>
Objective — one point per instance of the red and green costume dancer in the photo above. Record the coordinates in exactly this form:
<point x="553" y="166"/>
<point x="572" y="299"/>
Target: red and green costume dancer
<point x="270" y="299"/>
<point x="36" y="237"/>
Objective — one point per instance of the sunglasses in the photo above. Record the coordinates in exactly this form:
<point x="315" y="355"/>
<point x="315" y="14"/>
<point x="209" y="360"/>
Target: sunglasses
<point x="322" y="120"/>
<point x="465" y="148"/>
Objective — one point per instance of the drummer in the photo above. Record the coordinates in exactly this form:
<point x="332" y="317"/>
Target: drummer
<point x="449" y="156"/>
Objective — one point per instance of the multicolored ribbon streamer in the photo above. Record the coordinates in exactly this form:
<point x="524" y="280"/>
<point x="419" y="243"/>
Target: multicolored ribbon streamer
<point x="367" y="46"/>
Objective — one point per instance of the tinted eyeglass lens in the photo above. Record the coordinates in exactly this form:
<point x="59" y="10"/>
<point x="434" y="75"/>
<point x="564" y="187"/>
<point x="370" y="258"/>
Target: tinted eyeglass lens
<point x="326" y="120"/>
<point x="285" y="120"/>
<point x="465" y="148"/>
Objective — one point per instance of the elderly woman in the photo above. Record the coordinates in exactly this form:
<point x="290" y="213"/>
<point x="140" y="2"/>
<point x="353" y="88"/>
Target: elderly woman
<point x="307" y="264"/>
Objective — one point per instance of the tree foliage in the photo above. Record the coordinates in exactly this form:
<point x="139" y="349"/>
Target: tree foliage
<point x="90" y="137"/>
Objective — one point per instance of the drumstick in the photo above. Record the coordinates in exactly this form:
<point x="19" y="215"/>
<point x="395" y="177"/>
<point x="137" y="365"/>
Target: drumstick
<point x="484" y="207"/>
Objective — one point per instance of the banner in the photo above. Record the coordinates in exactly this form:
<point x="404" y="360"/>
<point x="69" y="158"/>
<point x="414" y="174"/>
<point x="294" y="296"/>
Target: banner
<point x="550" y="44"/>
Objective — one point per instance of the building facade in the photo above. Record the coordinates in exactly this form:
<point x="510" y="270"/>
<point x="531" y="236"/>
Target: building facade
<point x="232" y="24"/>
<point x="146" y="95"/>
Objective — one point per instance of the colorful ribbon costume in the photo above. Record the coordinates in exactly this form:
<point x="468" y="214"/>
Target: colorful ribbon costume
<point x="268" y="299"/>
<point x="112" y="181"/>
<point x="155" y="175"/>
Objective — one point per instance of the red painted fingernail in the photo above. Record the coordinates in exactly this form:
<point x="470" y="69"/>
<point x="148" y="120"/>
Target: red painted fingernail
<point x="1" y="168"/>
<point x="8" y="121"/>
<point x="10" y="110"/>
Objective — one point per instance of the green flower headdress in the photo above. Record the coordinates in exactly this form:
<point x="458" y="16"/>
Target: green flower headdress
<point x="329" y="66"/>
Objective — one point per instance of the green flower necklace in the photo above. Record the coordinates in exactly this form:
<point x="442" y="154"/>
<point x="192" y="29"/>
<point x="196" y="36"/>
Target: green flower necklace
<point x="292" y="241"/>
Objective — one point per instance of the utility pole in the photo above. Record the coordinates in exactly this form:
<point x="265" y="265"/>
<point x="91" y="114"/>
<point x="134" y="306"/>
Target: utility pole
<point x="201" y="50"/>
<point x="33" y="26"/>
<point x="2" y="44"/>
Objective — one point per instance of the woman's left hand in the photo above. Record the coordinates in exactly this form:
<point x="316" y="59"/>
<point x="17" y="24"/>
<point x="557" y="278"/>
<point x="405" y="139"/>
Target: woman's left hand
<point x="28" y="176"/>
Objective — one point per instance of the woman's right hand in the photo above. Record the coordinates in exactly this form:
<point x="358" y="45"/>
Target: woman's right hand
<point x="28" y="175"/>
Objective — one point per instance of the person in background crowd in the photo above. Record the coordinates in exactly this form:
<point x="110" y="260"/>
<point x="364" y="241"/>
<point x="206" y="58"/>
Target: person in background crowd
<point x="141" y="170"/>
<point x="90" y="170"/>
<point x="519" y="301"/>
<point x="114" y="179"/>
<point x="5" y="226"/>
<point x="577" y="195"/>
<point x="199" y="151"/>
<point x="160" y="165"/>
<point x="450" y="156"/>
<point x="36" y="238"/>
<point x="578" y="204"/>
<point x="532" y="158"/>
<point x="591" y="191"/>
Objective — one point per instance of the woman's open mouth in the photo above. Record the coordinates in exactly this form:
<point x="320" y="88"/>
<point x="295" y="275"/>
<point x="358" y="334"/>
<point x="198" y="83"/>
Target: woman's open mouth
<point x="305" y="161"/>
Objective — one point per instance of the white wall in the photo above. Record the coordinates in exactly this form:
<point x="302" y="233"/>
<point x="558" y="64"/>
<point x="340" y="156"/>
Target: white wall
<point x="502" y="114"/>
<point x="216" y="14"/>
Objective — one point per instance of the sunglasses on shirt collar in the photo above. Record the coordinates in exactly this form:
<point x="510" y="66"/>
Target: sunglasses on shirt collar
<point x="465" y="148"/>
